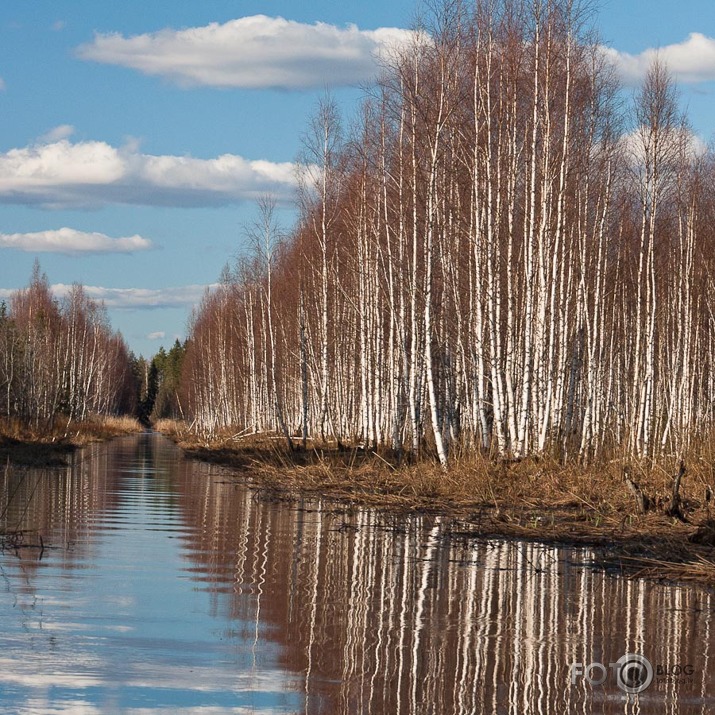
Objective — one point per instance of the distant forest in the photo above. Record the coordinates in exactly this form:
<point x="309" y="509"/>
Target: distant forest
<point x="60" y="361"/>
<point x="61" y="358"/>
<point x="501" y="253"/>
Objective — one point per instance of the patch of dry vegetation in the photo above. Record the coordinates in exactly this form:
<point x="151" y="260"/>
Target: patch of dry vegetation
<point x="24" y="444"/>
<point x="530" y="498"/>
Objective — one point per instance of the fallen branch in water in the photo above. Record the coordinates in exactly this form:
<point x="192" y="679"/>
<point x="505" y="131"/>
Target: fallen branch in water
<point x="15" y="540"/>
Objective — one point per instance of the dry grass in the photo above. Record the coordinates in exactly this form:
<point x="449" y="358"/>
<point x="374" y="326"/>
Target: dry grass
<point x="531" y="498"/>
<point x="49" y="445"/>
<point x="99" y="428"/>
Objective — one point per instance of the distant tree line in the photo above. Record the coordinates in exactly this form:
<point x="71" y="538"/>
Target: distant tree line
<point x="158" y="383"/>
<point x="495" y="257"/>
<point x="60" y="357"/>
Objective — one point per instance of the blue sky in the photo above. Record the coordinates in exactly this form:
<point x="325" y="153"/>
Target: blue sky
<point x="135" y="136"/>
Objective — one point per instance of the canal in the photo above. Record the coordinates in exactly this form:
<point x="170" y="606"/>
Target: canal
<point x="136" y="581"/>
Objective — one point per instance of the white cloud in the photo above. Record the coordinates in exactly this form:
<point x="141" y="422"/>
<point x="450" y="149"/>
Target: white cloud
<point x="3" y="86"/>
<point x="140" y="298"/>
<point x="633" y="148"/>
<point x="133" y="298"/>
<point x="92" y="173"/>
<point x="690" y="61"/>
<point x="63" y="131"/>
<point x="158" y="335"/>
<point x="252" y="52"/>
<point x="69" y="240"/>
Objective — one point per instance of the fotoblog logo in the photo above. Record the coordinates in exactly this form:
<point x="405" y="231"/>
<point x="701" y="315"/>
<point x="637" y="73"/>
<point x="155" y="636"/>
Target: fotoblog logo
<point x="633" y="673"/>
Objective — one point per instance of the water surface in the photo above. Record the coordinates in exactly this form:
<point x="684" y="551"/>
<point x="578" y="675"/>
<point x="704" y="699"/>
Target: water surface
<point x="166" y="586"/>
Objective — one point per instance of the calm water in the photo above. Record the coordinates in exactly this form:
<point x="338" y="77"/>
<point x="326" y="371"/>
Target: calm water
<point x="164" y="586"/>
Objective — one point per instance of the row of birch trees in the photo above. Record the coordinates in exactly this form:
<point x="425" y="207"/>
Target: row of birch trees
<point x="501" y="254"/>
<point x="60" y="357"/>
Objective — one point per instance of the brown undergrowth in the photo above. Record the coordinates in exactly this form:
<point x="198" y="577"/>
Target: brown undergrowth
<point x="533" y="498"/>
<point x="49" y="444"/>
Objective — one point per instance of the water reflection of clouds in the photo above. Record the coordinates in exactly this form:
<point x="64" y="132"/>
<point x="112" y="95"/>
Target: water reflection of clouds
<point x="62" y="661"/>
<point x="140" y="675"/>
<point x="78" y="707"/>
<point x="20" y="673"/>
<point x="208" y="710"/>
<point x="68" y="707"/>
<point x="175" y="683"/>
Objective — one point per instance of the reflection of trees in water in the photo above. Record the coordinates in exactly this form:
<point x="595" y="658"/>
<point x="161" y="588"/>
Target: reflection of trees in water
<point x="60" y="501"/>
<point x="65" y="502"/>
<point x="382" y="615"/>
<point x="378" y="614"/>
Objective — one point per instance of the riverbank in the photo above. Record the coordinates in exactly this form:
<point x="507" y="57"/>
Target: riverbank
<point x="627" y="511"/>
<point x="22" y="445"/>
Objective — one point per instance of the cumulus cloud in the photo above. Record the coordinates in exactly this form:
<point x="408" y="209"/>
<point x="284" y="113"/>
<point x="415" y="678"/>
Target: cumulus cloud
<point x="71" y="241"/>
<point x="63" y="131"/>
<point x="252" y="52"/>
<point x="690" y="61"/>
<point x="140" y="298"/>
<point x="158" y="335"/>
<point x="63" y="174"/>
